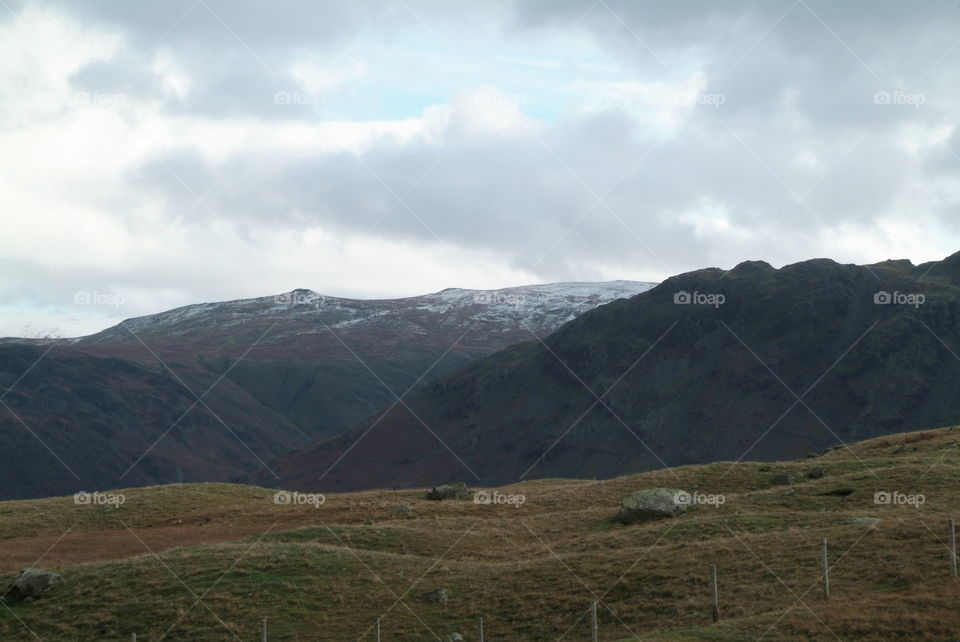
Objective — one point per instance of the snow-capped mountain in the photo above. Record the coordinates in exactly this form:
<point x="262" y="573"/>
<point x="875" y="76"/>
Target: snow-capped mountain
<point x="121" y="407"/>
<point x="536" y="308"/>
<point x="41" y="326"/>
<point x="680" y="384"/>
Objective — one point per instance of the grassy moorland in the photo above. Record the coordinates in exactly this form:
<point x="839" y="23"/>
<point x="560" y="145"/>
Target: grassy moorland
<point x="209" y="561"/>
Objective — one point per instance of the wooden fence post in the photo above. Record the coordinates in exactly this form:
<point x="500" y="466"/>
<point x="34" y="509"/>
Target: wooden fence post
<point x="715" y="601"/>
<point x="826" y="568"/>
<point x="953" y="548"/>
<point x="481" y="629"/>
<point x="593" y="618"/>
<point x="263" y="630"/>
<point x="378" y="629"/>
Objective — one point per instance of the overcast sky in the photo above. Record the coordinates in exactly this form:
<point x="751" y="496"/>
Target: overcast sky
<point x="166" y="152"/>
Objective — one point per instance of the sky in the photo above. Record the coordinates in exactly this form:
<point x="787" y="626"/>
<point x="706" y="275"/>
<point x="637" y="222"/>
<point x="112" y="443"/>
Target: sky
<point x="160" y="153"/>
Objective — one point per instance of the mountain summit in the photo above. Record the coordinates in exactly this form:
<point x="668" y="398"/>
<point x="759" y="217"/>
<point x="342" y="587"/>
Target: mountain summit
<point x="208" y="391"/>
<point x="710" y="365"/>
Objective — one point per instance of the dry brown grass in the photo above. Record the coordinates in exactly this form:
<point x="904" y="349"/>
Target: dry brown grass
<point x="328" y="573"/>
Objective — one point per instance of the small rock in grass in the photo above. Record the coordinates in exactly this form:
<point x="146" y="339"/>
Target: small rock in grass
<point x="439" y="595"/>
<point x="653" y="503"/>
<point x="31" y="583"/>
<point x="449" y="491"/>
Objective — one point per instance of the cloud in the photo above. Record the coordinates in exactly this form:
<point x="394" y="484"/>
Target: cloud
<point x="144" y="144"/>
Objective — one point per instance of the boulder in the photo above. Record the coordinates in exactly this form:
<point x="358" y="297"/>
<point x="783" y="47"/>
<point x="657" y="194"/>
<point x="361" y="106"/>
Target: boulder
<point x="449" y="491"/>
<point x="31" y="583"/>
<point x="439" y="595"/>
<point x="816" y="473"/>
<point x="454" y="637"/>
<point x="653" y="503"/>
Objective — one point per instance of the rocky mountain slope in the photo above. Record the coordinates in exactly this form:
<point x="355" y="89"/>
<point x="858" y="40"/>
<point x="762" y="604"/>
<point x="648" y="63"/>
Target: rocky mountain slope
<point x="121" y="407"/>
<point x="708" y="366"/>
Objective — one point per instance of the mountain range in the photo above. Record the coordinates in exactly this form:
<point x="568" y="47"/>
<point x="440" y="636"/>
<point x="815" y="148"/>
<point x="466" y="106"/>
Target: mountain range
<point x="210" y="391"/>
<point x="710" y="365"/>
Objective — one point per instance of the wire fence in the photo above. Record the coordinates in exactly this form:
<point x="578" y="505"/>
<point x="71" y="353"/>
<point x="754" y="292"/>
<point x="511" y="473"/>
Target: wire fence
<point x="476" y="629"/>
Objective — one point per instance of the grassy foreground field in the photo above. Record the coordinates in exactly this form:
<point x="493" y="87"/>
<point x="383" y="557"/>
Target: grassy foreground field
<point x="210" y="561"/>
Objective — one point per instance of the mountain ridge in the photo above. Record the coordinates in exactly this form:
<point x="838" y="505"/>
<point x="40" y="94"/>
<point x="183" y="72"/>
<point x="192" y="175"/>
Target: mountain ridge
<point x="205" y="392"/>
<point x="681" y="383"/>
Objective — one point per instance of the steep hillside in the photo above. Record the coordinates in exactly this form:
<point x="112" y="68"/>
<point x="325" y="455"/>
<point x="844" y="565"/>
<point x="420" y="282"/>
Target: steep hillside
<point x="211" y="561"/>
<point x="763" y="363"/>
<point x="120" y="407"/>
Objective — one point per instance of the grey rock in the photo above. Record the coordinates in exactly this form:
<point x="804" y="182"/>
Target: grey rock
<point x="449" y="491"/>
<point x="454" y="637"/>
<point x="31" y="583"/>
<point x="816" y="473"/>
<point x="439" y="595"/>
<point x="652" y="503"/>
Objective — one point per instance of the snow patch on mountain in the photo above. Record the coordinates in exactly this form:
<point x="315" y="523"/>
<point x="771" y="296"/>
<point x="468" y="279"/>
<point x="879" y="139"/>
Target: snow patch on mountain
<point x="535" y="307"/>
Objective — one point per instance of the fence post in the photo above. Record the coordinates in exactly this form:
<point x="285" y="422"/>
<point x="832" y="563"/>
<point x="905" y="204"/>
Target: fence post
<point x="715" y="602"/>
<point x="826" y="568"/>
<point x="953" y="548"/>
<point x="378" y="629"/>
<point x="133" y="637"/>
<point x="263" y="630"/>
<point x="481" y="629"/>
<point x="593" y="618"/>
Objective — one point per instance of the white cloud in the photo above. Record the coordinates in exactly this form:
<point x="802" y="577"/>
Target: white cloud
<point x="543" y="145"/>
<point x="663" y="105"/>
